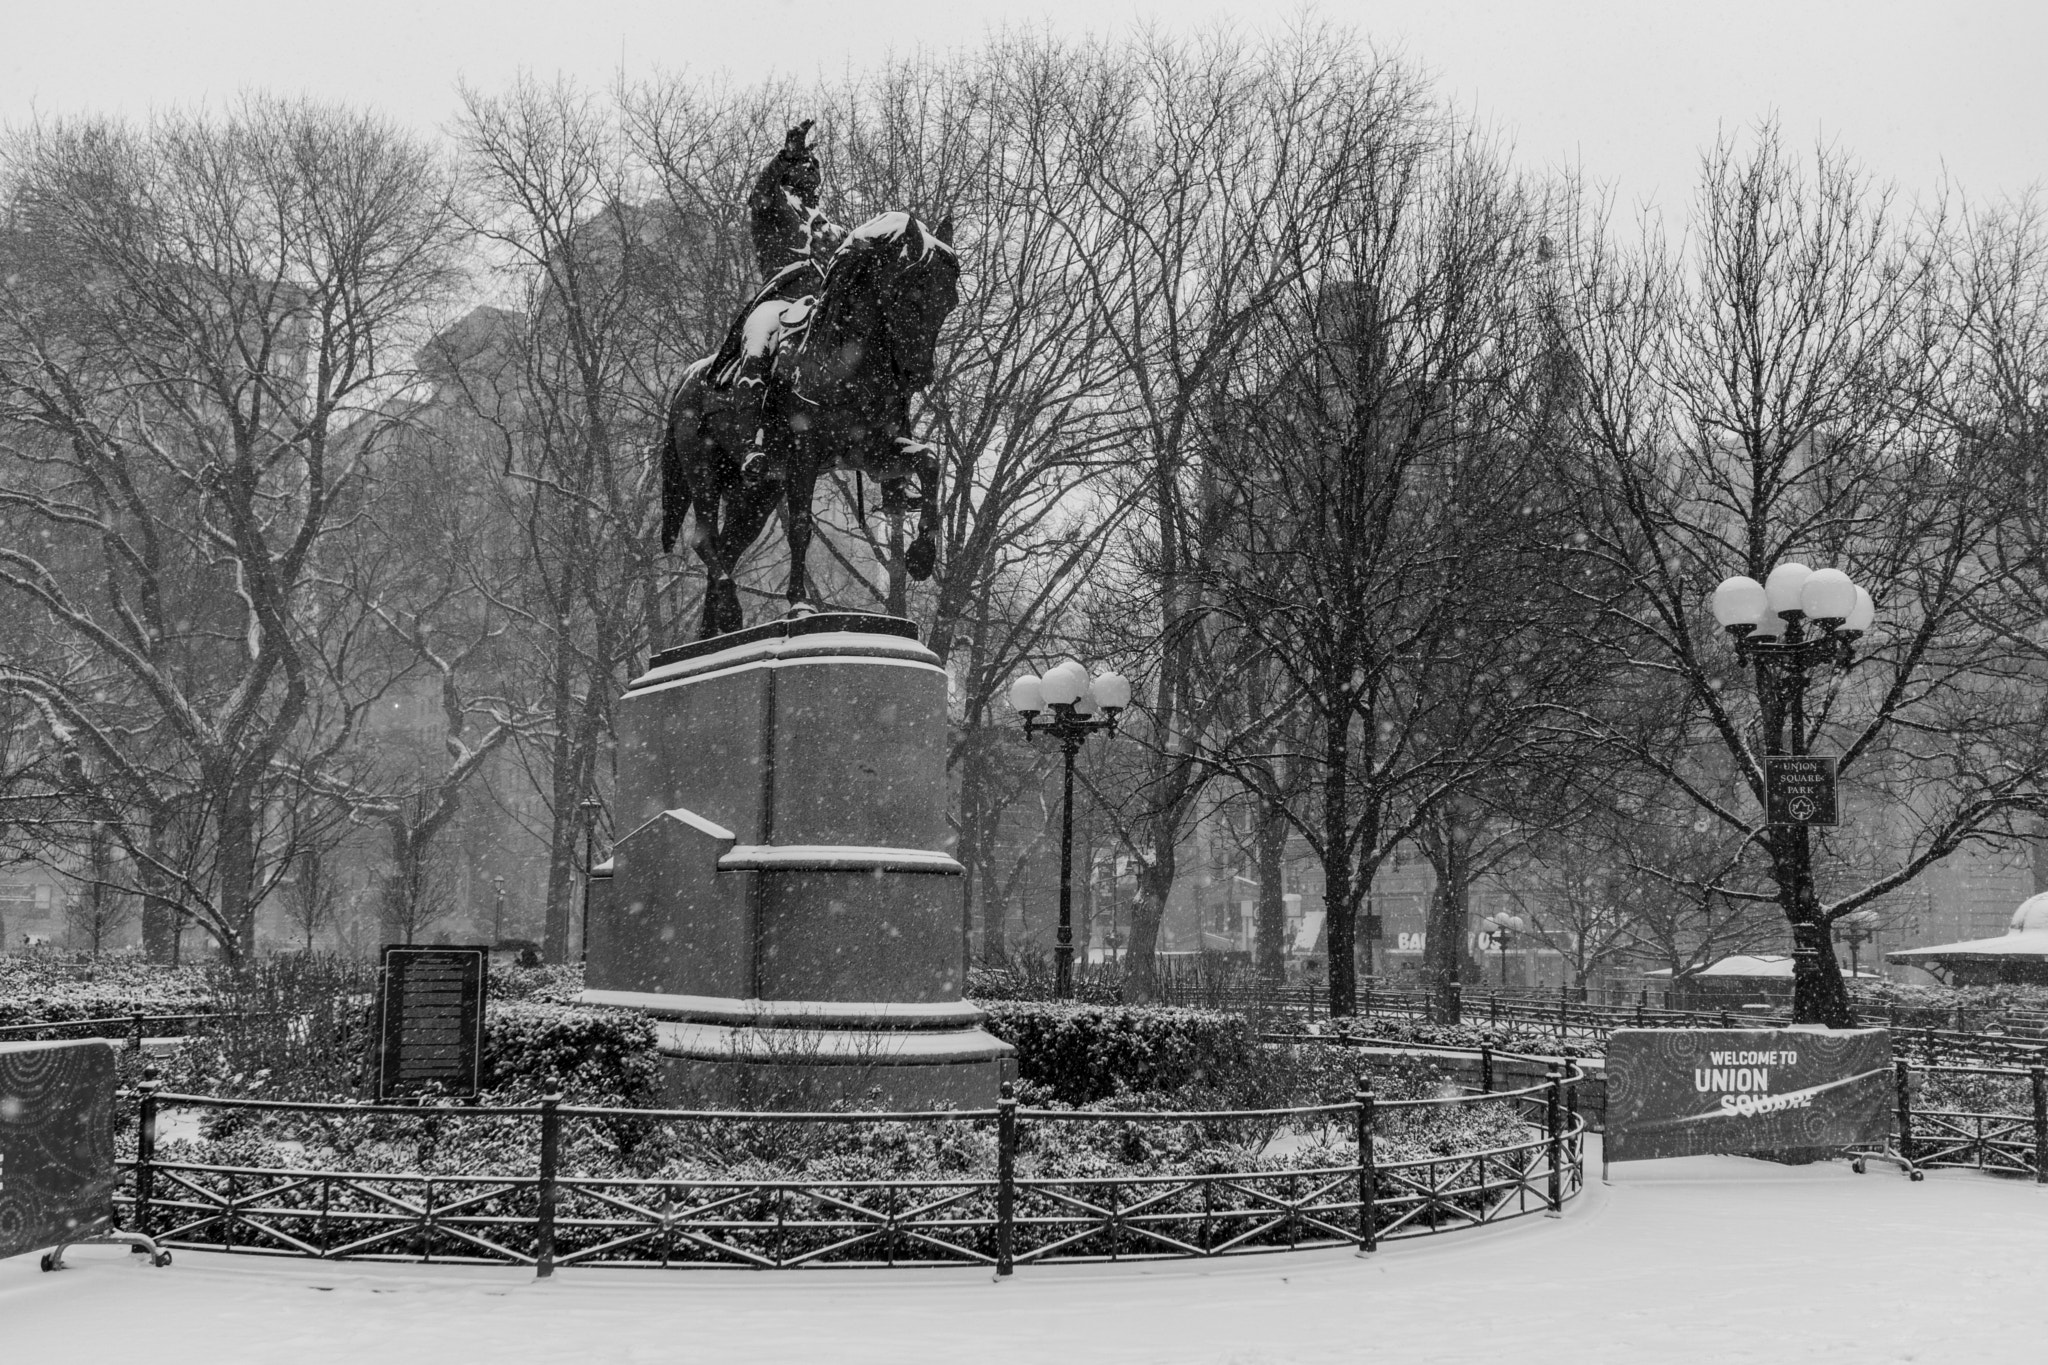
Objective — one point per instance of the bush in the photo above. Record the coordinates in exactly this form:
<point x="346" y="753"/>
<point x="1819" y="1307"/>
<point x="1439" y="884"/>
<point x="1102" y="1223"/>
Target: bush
<point x="58" y="987"/>
<point x="595" y="1056"/>
<point x="557" y="984"/>
<point x="1500" y="1037"/>
<point x="1081" y="1052"/>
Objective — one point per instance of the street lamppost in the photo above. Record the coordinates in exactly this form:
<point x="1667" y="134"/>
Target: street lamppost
<point x="1080" y="707"/>
<point x="1795" y="621"/>
<point x="498" y="913"/>
<point x="1503" y="928"/>
<point x="1858" y="928"/>
<point x="589" y="808"/>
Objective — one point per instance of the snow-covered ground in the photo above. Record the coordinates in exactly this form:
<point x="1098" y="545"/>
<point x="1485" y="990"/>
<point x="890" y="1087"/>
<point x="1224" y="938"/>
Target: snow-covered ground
<point x="1710" y="1259"/>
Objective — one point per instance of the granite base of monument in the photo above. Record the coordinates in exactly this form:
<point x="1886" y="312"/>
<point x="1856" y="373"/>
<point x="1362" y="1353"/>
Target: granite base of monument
<point x="782" y="901"/>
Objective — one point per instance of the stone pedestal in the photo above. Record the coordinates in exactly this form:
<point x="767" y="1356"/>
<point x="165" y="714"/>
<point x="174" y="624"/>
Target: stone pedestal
<point x="781" y="899"/>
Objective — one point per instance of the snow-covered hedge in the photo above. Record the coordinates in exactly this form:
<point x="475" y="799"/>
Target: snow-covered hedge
<point x="1500" y="1037"/>
<point x="1082" y="1052"/>
<point x="55" y="988"/>
<point x="596" y="1056"/>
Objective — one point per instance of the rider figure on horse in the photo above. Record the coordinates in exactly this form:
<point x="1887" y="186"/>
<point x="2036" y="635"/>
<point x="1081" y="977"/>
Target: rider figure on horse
<point x="793" y="243"/>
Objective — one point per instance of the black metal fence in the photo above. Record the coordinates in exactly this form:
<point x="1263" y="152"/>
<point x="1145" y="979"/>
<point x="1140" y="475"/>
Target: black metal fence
<point x="2012" y="1140"/>
<point x="132" y="1028"/>
<point x="993" y="1216"/>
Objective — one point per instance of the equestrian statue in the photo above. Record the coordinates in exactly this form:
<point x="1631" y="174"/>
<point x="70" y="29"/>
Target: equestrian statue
<point x="816" y="373"/>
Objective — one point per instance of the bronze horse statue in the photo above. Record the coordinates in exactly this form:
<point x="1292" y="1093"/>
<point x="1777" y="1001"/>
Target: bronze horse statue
<point x="845" y="366"/>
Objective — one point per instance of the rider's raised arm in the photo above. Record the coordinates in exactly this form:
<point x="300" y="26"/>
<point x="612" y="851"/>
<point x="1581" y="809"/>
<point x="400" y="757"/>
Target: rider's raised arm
<point x="783" y="202"/>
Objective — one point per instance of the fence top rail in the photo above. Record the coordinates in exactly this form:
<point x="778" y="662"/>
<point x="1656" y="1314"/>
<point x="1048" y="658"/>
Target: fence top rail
<point x="777" y="1115"/>
<point x="1574" y="1127"/>
<point x="125" y="1020"/>
<point x="173" y="1099"/>
<point x="1395" y="1044"/>
<point x="1974" y="1070"/>
<point x="1527" y="1092"/>
<point x="1183" y="1115"/>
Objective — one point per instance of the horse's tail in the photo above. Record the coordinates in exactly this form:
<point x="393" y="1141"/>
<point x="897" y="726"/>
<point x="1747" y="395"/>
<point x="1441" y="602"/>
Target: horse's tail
<point x="675" y="482"/>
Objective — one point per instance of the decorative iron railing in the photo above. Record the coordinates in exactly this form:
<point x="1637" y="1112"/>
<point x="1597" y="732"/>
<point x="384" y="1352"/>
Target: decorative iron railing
<point x="998" y="1217"/>
<point x="2013" y="1141"/>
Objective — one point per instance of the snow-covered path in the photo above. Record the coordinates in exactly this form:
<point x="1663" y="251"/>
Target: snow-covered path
<point x="1710" y="1259"/>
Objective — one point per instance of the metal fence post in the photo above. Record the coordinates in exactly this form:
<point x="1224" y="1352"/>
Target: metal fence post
<point x="135" y="1028"/>
<point x="2039" y="1076"/>
<point x="550" y="1162"/>
<point x="1486" y="1068"/>
<point x="1368" y="1173"/>
<point x="1642" y="1005"/>
<point x="1553" y="1117"/>
<point x="1727" y="1020"/>
<point x="1493" y="1007"/>
<point x="145" y="1150"/>
<point x="1902" y="1084"/>
<point x="1006" y="1180"/>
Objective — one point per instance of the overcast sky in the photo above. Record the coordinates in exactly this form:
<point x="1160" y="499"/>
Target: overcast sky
<point x="1629" y="89"/>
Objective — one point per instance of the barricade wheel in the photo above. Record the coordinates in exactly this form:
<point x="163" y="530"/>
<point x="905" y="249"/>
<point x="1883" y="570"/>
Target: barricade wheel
<point x="1919" y="1175"/>
<point x="161" y="1258"/>
<point x="49" y="1261"/>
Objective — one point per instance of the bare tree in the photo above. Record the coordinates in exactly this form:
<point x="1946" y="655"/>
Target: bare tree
<point x="1788" y="386"/>
<point x="552" y="175"/>
<point x="192" y="314"/>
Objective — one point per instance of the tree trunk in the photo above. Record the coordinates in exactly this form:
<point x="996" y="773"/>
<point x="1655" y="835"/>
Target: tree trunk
<point x="1443" y="953"/>
<point x="1337" y="895"/>
<point x="1818" y="995"/>
<point x="1272" y="912"/>
<point x="237" y="862"/>
<point x="1148" y="912"/>
<point x="159" y="912"/>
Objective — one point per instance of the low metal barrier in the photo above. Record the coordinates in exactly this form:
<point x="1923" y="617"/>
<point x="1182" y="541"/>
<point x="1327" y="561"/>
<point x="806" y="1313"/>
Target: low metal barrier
<point x="132" y="1028"/>
<point x="2014" y="1142"/>
<point x="994" y="1215"/>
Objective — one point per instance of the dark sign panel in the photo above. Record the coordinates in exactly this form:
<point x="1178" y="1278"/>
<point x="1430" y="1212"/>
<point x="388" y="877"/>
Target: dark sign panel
<point x="1800" y="791"/>
<point x="56" y="1141"/>
<point x="430" y="1021"/>
<point x="1375" y="928"/>
<point x="1685" y="1092"/>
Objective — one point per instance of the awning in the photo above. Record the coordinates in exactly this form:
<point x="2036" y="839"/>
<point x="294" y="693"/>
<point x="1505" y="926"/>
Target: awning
<point x="2005" y="948"/>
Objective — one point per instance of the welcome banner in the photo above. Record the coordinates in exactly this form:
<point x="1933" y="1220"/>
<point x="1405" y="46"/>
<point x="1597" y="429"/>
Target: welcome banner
<point x="56" y="1141"/>
<point x="1687" y="1092"/>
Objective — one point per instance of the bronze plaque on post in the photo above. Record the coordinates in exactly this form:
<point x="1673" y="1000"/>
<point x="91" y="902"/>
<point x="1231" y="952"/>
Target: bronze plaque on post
<point x="1801" y="791"/>
<point x="430" y="1021"/>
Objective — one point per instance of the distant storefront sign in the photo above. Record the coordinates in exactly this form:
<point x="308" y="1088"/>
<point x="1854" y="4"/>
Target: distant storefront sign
<point x="1800" y="791"/>
<point x="430" y="1021"/>
<point x="1687" y="1092"/>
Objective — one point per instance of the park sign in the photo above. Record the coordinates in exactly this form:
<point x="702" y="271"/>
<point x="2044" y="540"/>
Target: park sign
<point x="1800" y="790"/>
<point x="430" y="1021"/>
<point x="1687" y="1092"/>
<point x="56" y="1142"/>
